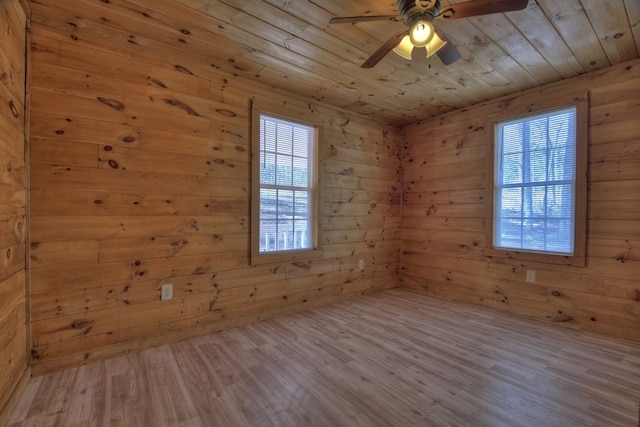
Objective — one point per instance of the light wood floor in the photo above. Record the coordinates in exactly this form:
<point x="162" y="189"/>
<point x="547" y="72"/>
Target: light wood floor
<point x="390" y="359"/>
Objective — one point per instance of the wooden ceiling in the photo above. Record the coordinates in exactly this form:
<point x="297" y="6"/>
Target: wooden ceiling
<point x="289" y="44"/>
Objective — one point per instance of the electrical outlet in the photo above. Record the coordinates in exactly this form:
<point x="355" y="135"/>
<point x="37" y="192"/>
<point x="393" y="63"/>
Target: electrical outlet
<point x="361" y="264"/>
<point x="167" y="292"/>
<point x="531" y="276"/>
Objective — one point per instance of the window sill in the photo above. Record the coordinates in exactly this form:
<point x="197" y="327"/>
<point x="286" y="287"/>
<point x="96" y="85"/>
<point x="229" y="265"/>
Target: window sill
<point x="285" y="256"/>
<point x="548" y="258"/>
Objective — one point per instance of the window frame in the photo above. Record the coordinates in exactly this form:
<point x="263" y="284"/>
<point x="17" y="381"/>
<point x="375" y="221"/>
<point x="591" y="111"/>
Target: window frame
<point x="258" y="108"/>
<point x="521" y="111"/>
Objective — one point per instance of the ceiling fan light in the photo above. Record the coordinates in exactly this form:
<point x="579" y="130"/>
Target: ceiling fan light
<point x="421" y="33"/>
<point x="434" y="45"/>
<point x="405" y="48"/>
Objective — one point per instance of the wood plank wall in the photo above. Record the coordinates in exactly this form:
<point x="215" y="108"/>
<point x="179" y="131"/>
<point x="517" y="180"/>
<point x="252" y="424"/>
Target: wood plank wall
<point x="13" y="305"/>
<point x="140" y="176"/>
<point x="443" y="234"/>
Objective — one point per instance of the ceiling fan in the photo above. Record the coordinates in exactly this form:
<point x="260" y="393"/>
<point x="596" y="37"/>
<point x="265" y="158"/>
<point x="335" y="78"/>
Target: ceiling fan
<point x="419" y="15"/>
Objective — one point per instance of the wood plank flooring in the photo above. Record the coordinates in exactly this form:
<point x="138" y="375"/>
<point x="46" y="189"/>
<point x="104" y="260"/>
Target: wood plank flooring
<point x="395" y="358"/>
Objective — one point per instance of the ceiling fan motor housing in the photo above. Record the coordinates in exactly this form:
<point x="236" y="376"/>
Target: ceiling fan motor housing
<point x="412" y="10"/>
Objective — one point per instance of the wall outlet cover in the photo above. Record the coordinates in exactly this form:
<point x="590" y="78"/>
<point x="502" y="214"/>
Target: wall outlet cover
<point x="167" y="292"/>
<point x="531" y="276"/>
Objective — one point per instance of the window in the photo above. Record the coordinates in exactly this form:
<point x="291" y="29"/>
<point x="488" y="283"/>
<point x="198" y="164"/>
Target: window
<point x="284" y="199"/>
<point x="539" y="186"/>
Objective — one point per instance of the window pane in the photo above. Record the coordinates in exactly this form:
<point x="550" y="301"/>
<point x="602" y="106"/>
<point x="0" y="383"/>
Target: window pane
<point x="268" y="222"/>
<point x="562" y="163"/>
<point x="301" y="138"/>
<point x="536" y="166"/>
<point x="285" y="205"/>
<point x="301" y="209"/>
<point x="512" y="137"/>
<point x="267" y="168"/>
<point x="283" y="171"/>
<point x="268" y="136"/>
<point x="533" y="234"/>
<point x="512" y="169"/>
<point x="302" y="237"/>
<point x="560" y="201"/>
<point x="285" y="139"/>
<point x="268" y="203"/>
<point x="534" y="205"/>
<point x="511" y="202"/>
<point x="300" y="172"/>
<point x="509" y="233"/>
<point x="559" y="236"/>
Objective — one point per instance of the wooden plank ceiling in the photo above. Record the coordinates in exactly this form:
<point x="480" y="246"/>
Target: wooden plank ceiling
<point x="289" y="44"/>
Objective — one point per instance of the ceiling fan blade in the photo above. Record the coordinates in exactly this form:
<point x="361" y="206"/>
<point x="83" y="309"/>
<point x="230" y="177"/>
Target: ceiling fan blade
<point x="350" y="19"/>
<point x="384" y="49"/>
<point x="481" y="7"/>
<point x="448" y="53"/>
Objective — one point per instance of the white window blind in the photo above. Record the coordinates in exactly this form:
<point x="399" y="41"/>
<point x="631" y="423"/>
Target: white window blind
<point x="286" y="185"/>
<point x="535" y="183"/>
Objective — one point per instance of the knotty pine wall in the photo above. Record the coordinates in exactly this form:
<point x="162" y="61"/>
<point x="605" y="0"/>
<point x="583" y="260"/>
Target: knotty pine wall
<point x="443" y="237"/>
<point x="14" y="356"/>
<point x="140" y="176"/>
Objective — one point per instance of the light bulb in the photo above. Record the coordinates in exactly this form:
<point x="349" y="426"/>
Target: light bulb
<point x="421" y="33"/>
